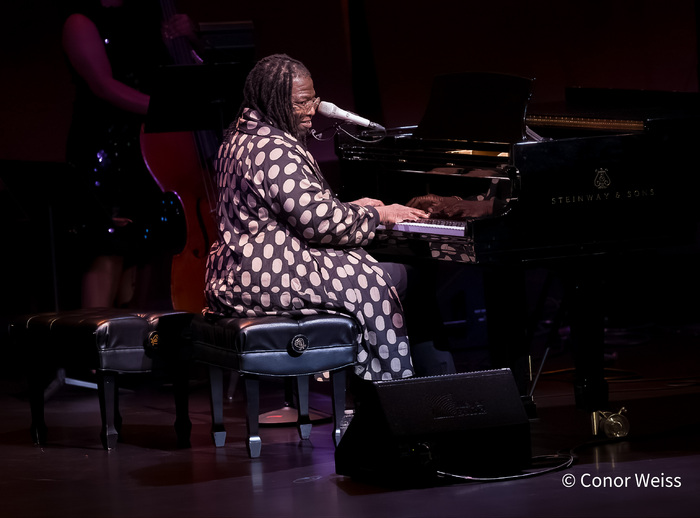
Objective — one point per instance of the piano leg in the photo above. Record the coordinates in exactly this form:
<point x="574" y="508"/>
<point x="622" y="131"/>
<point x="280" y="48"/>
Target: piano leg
<point x="506" y="323"/>
<point x="509" y="343"/>
<point x="582" y="292"/>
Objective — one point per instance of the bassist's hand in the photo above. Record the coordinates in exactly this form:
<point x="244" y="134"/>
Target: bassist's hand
<point x="179" y="25"/>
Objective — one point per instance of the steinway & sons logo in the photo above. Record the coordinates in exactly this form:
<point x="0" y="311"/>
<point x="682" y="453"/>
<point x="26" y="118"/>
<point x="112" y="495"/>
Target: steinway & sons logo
<point x="602" y="192"/>
<point x="602" y="180"/>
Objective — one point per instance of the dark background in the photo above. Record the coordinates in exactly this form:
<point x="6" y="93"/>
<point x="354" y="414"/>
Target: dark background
<point x="398" y="47"/>
<point x="374" y="57"/>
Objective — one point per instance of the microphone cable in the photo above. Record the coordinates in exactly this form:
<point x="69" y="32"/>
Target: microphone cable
<point x="318" y="135"/>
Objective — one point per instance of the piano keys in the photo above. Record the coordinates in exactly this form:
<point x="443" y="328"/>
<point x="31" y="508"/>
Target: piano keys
<point x="428" y="228"/>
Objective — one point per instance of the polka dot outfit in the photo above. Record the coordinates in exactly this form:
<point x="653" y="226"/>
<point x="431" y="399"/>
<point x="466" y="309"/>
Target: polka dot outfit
<point x="288" y="246"/>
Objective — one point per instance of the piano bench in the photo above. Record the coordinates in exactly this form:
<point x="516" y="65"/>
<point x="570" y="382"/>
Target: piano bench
<point x="109" y="342"/>
<point x="275" y="346"/>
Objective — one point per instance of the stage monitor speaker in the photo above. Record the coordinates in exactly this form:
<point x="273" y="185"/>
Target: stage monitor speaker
<point x="406" y="432"/>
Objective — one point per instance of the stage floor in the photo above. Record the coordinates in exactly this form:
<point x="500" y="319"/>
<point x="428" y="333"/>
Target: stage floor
<point x="654" y="471"/>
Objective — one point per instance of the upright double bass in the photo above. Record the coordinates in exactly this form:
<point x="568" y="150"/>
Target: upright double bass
<point x="178" y="162"/>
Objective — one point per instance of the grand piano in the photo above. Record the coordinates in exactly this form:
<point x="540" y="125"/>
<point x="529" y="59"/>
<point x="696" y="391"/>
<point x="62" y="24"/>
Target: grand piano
<point x="602" y="176"/>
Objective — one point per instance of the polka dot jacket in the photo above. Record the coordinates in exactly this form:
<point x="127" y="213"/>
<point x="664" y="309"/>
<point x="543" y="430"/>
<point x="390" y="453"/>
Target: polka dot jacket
<point x="288" y="246"/>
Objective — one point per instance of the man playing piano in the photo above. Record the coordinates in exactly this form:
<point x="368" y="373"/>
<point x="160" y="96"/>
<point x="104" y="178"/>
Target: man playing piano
<point x="287" y="244"/>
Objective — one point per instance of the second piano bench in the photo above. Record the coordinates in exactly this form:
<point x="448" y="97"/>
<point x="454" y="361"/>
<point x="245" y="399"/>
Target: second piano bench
<point x="280" y="347"/>
<point x="110" y="342"/>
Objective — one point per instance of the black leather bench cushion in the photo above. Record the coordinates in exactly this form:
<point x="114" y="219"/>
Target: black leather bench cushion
<point x="101" y="338"/>
<point x="263" y="345"/>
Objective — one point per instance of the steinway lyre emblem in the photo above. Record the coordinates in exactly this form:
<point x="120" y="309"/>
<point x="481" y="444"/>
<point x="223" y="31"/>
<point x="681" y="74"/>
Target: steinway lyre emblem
<point x="602" y="180"/>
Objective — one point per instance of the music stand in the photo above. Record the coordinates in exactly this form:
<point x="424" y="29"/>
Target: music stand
<point x="477" y="106"/>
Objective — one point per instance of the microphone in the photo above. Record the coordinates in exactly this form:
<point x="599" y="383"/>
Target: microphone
<point x="332" y="111"/>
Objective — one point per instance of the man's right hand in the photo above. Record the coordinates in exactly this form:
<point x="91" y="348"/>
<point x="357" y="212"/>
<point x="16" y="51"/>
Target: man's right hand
<point x="390" y="214"/>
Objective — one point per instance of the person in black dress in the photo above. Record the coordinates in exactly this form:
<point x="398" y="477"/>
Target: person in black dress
<point x="113" y="47"/>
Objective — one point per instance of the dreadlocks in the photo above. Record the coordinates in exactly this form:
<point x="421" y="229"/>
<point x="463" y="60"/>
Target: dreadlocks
<point x="268" y="90"/>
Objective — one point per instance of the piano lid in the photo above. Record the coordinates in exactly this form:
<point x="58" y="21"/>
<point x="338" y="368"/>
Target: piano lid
<point x="477" y="106"/>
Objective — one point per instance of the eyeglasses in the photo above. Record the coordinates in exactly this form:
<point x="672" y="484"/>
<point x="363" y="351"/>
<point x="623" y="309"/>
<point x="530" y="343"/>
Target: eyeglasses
<point x="308" y="104"/>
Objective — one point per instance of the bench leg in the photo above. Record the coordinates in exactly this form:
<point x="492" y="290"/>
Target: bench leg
<point x="181" y="389"/>
<point x="216" y="395"/>
<point x="38" y="428"/>
<point x="338" y="381"/>
<point x="108" y="393"/>
<point x="232" y="383"/>
<point x="252" y="399"/>
<point x="303" y="422"/>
